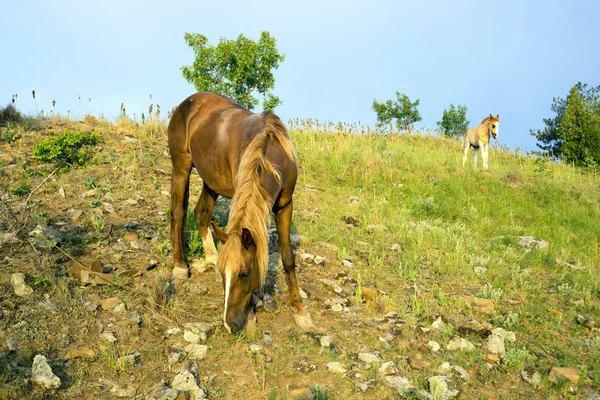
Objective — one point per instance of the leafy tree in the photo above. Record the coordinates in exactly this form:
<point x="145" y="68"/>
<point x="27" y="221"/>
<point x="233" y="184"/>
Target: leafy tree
<point x="402" y="110"/>
<point x="236" y="68"/>
<point x="454" y="121"/>
<point x="573" y="134"/>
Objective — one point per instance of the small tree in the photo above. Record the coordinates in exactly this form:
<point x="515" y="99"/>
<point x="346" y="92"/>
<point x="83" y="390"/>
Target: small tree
<point x="402" y="110"/>
<point x="235" y="68"/>
<point x="454" y="121"/>
<point x="574" y="133"/>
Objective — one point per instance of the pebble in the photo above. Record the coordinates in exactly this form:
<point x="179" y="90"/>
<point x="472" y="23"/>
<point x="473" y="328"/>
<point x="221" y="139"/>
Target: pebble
<point x="369" y="358"/>
<point x="335" y="367"/>
<point x="440" y="388"/>
<point x="160" y="391"/>
<point x="434" y="346"/>
<point x="196" y="351"/>
<point x="458" y="343"/>
<point x="20" y="287"/>
<point x="42" y="375"/>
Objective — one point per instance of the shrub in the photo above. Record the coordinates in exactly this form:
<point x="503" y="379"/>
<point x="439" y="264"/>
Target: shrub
<point x="71" y="149"/>
<point x="10" y="114"/>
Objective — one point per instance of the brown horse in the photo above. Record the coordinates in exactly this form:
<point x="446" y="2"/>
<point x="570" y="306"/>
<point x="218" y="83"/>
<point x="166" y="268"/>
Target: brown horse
<point x="247" y="157"/>
<point x="480" y="138"/>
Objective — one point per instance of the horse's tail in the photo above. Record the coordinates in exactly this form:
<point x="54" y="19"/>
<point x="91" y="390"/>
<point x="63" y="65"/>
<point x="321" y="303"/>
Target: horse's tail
<point x="465" y="142"/>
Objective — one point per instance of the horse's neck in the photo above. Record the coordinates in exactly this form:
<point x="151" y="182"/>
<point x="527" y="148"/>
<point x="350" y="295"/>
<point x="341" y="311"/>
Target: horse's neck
<point x="483" y="131"/>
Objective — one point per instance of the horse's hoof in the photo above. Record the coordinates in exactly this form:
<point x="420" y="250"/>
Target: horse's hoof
<point x="303" y="320"/>
<point x="180" y="273"/>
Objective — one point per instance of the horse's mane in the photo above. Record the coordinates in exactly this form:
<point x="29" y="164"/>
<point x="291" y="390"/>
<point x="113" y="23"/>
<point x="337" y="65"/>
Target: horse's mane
<point x="251" y="205"/>
<point x="488" y="118"/>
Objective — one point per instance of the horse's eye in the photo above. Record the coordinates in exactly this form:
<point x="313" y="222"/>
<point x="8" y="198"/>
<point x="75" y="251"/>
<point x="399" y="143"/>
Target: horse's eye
<point x="243" y="274"/>
<point x="493" y="126"/>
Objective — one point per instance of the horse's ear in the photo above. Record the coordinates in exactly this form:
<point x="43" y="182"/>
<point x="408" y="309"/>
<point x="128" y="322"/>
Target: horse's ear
<point x="247" y="239"/>
<point x="222" y="236"/>
<point x="491" y="116"/>
<point x="498" y="116"/>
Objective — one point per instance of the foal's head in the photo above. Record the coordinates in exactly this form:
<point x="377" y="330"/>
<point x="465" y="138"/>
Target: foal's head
<point x="494" y="126"/>
<point x="241" y="275"/>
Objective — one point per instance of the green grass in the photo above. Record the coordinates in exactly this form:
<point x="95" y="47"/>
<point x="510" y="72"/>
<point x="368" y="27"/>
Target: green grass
<point x="448" y="219"/>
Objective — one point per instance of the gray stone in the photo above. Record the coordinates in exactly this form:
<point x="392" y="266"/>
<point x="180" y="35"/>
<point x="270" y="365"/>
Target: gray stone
<point x="20" y="287"/>
<point x="326" y="342"/>
<point x="458" y="343"/>
<point x="8" y="238"/>
<point x="506" y="335"/>
<point x="337" y="308"/>
<point x="129" y="359"/>
<point x="120" y="390"/>
<point x="319" y="261"/>
<point x="441" y="388"/>
<point x="399" y="383"/>
<point x="434" y="346"/>
<point x="455" y="371"/>
<point x="44" y="238"/>
<point x="529" y="243"/>
<point x="336" y="368"/>
<point x="332" y="284"/>
<point x="438" y="324"/>
<point x="495" y="344"/>
<point x="160" y="391"/>
<point x="42" y="375"/>
<point x="196" y="351"/>
<point x="186" y="381"/>
<point x="531" y="376"/>
<point x="12" y="344"/>
<point x="173" y="332"/>
<point x="174" y="355"/>
<point x="255" y="348"/>
<point x="109" y="337"/>
<point x="197" y="331"/>
<point x="347" y="264"/>
<point x="387" y="368"/>
<point x="369" y="358"/>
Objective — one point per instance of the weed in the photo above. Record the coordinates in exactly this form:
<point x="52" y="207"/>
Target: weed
<point x="11" y="133"/>
<point x="488" y="292"/>
<point x="90" y="182"/>
<point x="319" y="393"/>
<point x="516" y="359"/>
<point x="94" y="203"/>
<point x="194" y="245"/>
<point x="38" y="282"/>
<point x="97" y="223"/>
<point x="22" y="190"/>
<point x="71" y="149"/>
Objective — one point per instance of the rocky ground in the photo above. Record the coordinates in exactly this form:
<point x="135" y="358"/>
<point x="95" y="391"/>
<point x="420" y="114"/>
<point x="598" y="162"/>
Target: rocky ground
<point x="87" y="308"/>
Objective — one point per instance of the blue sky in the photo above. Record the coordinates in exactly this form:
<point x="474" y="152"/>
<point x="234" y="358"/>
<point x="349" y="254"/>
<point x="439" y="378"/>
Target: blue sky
<point x="502" y="57"/>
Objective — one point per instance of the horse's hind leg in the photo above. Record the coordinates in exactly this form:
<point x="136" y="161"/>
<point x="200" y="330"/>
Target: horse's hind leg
<point x="180" y="188"/>
<point x="465" y="152"/>
<point x="203" y="211"/>
<point x="283" y="220"/>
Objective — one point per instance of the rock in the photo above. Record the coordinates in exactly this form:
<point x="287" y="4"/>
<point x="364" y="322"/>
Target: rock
<point x="585" y="321"/>
<point x="495" y="344"/>
<point x="161" y="391"/>
<point x="326" y="342"/>
<point x="129" y="202"/>
<point x="369" y="358"/>
<point x="74" y="214"/>
<point x="479" y="271"/>
<point x="196" y="351"/>
<point x="438" y="324"/>
<point x="174" y="355"/>
<point x="458" y="343"/>
<point x="433" y="346"/>
<point x="120" y="390"/>
<point x="530" y="375"/>
<point x="255" y="348"/>
<point x="591" y="395"/>
<point x="529" y="243"/>
<point x="483" y="306"/>
<point x="20" y="287"/>
<point x="12" y="344"/>
<point x="474" y="327"/>
<point x="319" y="261"/>
<point x="494" y="358"/>
<point x="268" y="338"/>
<point x="42" y="375"/>
<point x="399" y="383"/>
<point x="337" y="308"/>
<point x="186" y="381"/>
<point x="376" y="228"/>
<point x="44" y="238"/>
<point x="396" y="247"/>
<point x="269" y="303"/>
<point x="174" y="332"/>
<point x="332" y="284"/>
<point x="387" y="368"/>
<point x="347" y="264"/>
<point x="417" y="362"/>
<point x="302" y="394"/>
<point x="506" y="335"/>
<point x="558" y="374"/>
<point x="120" y="308"/>
<point x="335" y="367"/>
<point x="62" y="193"/>
<point x="130" y="236"/>
<point x="110" y="303"/>
<point x="307" y="258"/>
<point x="109" y="337"/>
<point x="441" y="388"/>
<point x="191" y="337"/>
<point x="455" y="370"/>
<point x="201" y="329"/>
<point x="8" y="238"/>
<point x="85" y="352"/>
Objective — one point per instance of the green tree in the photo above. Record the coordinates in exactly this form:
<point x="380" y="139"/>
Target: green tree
<point x="235" y="68"/>
<point x="573" y="134"/>
<point x="454" y="121"/>
<point x="402" y="110"/>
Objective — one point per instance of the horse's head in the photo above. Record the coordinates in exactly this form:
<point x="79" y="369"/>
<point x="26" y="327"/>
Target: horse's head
<point x="241" y="275"/>
<point x="494" y="125"/>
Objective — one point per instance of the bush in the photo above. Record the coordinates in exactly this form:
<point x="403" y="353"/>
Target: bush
<point x="71" y="149"/>
<point x="10" y="115"/>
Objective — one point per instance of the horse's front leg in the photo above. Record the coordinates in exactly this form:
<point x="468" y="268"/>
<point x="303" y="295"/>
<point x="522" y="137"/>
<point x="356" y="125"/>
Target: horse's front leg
<point x="283" y="219"/>
<point x="180" y="187"/>
<point x="484" y="155"/>
<point x="475" y="153"/>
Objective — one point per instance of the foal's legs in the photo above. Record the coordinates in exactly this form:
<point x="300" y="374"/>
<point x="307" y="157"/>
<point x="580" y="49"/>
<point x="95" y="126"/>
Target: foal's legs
<point x="180" y="189"/>
<point x="203" y="211"/>
<point x="475" y="152"/>
<point x="465" y="152"/>
<point x="283" y="220"/>
<point x="484" y="155"/>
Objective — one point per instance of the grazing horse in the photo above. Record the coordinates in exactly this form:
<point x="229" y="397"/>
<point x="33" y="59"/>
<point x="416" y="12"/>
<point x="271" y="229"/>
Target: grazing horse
<point x="480" y="138"/>
<point x="247" y="157"/>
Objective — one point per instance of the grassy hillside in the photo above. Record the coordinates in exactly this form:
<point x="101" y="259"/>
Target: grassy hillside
<point x="422" y="234"/>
